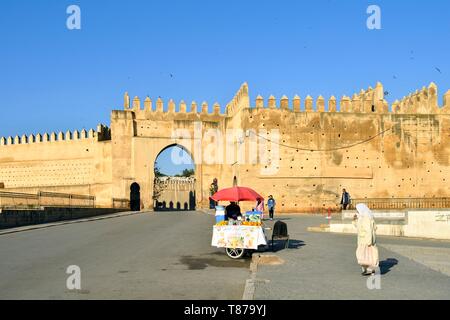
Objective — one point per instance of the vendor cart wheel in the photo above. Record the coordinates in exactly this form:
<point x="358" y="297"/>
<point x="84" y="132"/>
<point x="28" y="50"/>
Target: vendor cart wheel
<point x="235" y="253"/>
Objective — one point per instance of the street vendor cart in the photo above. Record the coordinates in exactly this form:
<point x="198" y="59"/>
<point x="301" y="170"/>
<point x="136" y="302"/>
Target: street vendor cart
<point x="239" y="237"/>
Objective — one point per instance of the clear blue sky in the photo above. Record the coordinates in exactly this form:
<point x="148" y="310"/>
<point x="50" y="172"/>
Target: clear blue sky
<point x="55" y="79"/>
<point x="168" y="167"/>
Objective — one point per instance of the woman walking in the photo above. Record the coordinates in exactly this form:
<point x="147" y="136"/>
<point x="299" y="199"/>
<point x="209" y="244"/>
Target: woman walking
<point x="367" y="251"/>
<point x="260" y="207"/>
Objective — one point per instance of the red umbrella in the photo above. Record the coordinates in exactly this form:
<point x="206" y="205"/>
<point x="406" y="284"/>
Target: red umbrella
<point x="237" y="194"/>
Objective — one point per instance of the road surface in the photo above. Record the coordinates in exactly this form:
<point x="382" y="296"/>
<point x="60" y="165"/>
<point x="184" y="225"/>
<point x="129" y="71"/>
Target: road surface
<point x="144" y="256"/>
<point x="168" y="256"/>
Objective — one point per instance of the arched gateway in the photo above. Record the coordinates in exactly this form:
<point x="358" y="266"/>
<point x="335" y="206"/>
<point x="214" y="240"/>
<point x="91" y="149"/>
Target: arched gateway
<point x="175" y="188"/>
<point x="139" y="135"/>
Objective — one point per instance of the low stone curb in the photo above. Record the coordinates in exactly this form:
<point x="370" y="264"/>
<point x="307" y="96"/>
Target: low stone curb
<point x="55" y="224"/>
<point x="249" y="290"/>
<point x="318" y="229"/>
<point x="250" y="284"/>
<point x="206" y="211"/>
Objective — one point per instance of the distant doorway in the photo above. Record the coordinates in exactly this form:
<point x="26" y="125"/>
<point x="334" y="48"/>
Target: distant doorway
<point x="135" y="197"/>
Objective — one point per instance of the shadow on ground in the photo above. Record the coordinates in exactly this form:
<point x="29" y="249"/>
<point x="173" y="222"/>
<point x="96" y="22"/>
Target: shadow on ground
<point x="275" y="220"/>
<point x="216" y="259"/>
<point x="279" y="245"/>
<point x="386" y="265"/>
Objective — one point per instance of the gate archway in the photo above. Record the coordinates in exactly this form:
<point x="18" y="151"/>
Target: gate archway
<point x="174" y="182"/>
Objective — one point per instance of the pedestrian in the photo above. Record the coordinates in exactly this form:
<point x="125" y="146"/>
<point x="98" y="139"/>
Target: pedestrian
<point x="345" y="199"/>
<point x="212" y="191"/>
<point x="367" y="250"/>
<point x="271" y="205"/>
<point x="260" y="207"/>
<point x="213" y="188"/>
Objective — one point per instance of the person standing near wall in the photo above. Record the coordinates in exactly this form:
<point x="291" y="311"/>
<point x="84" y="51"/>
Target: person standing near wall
<point x="212" y="203"/>
<point x="212" y="190"/>
<point x="260" y="207"/>
<point x="345" y="200"/>
<point x="367" y="251"/>
<point x="271" y="205"/>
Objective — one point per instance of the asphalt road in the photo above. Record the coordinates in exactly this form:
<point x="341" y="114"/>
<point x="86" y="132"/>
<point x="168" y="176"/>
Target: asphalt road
<point x="144" y="256"/>
<point x="168" y="256"/>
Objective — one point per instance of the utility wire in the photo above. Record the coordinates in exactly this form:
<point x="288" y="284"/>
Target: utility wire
<point x="325" y="150"/>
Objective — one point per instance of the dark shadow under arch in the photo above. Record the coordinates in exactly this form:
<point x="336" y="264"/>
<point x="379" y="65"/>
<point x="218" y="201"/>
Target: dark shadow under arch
<point x="192" y="202"/>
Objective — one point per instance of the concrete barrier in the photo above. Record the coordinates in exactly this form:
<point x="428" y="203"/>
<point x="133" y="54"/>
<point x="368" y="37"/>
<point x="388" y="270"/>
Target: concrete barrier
<point x="428" y="224"/>
<point x="432" y="224"/>
<point x="18" y="218"/>
<point x="394" y="230"/>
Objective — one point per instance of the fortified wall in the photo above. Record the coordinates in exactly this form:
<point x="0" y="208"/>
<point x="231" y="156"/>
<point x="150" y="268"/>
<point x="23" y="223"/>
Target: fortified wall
<point x="77" y="162"/>
<point x="359" y="143"/>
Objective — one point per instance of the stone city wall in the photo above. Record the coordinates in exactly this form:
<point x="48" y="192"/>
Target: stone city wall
<point x="359" y="143"/>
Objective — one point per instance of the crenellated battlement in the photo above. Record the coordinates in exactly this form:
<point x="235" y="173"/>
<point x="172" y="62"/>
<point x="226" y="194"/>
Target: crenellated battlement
<point x="370" y="100"/>
<point x="176" y="181"/>
<point x="424" y="101"/>
<point x="158" y="109"/>
<point x="240" y="100"/>
<point x="102" y="133"/>
<point x="295" y="105"/>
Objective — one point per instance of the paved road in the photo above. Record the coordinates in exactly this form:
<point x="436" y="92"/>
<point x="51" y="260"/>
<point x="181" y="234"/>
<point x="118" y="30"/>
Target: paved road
<point x="168" y="256"/>
<point x="144" y="256"/>
<point x="323" y="266"/>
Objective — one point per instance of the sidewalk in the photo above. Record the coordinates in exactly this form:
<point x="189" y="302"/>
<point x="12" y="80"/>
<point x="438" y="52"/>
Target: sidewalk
<point x="59" y="223"/>
<point x="323" y="266"/>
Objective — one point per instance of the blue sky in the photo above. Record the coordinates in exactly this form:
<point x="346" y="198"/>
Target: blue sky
<point x="166" y="165"/>
<point x="53" y="79"/>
